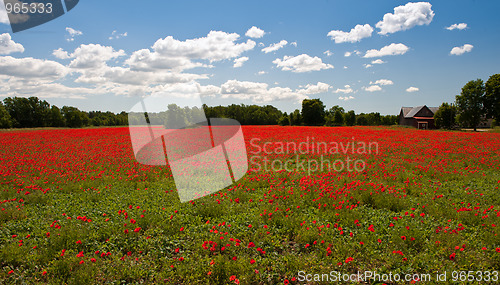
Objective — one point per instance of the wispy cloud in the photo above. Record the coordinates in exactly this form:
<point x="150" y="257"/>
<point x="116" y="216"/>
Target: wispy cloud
<point x="72" y="33"/>
<point x="115" y="35"/>
<point x="275" y="47"/>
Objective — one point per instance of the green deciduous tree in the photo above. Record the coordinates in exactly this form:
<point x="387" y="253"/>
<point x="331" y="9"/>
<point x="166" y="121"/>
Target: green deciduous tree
<point x="373" y="119"/>
<point x="313" y="112"/>
<point x="335" y="116"/>
<point x="245" y="114"/>
<point x="445" y="117"/>
<point x="361" y="120"/>
<point x="56" y="117"/>
<point x="28" y="112"/>
<point x="295" y="118"/>
<point x="5" y="119"/>
<point x="350" y="118"/>
<point x="284" y="120"/>
<point x="389" y="120"/>
<point x="491" y="102"/>
<point x="470" y="103"/>
<point x="74" y="118"/>
<point x="338" y="118"/>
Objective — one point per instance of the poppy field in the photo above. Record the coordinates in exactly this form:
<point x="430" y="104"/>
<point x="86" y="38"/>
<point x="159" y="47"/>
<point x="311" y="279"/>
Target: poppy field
<point x="76" y="208"/>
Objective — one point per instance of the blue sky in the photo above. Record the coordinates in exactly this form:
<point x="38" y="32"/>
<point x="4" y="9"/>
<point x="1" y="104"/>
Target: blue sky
<point x="102" y="55"/>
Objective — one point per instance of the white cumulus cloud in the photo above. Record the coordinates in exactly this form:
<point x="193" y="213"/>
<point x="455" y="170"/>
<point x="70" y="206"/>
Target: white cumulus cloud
<point x="258" y="92"/>
<point x="378" y="61"/>
<point x="301" y="63"/>
<point x="31" y="68"/>
<point x="412" y="89"/>
<point x="172" y="54"/>
<point x="275" y="47"/>
<point x="217" y="45"/>
<point x="347" y="89"/>
<point x="317" y="88"/>
<point x="346" y="98"/>
<point x="461" y="50"/>
<point x="7" y="45"/>
<point x="382" y="82"/>
<point x="372" y="88"/>
<point x="460" y="26"/>
<point x="406" y="17"/>
<point x="238" y="62"/>
<point x="255" y="33"/>
<point x="61" y="54"/>
<point x="92" y="56"/>
<point x="355" y="35"/>
<point x="392" y="49"/>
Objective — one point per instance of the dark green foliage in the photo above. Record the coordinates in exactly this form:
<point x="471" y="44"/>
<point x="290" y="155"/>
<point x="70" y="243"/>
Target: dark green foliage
<point x="389" y="120"/>
<point x="28" y="112"/>
<point x="350" y="118"/>
<point x="245" y="114"/>
<point x="335" y="116"/>
<point x="74" y="117"/>
<point x="295" y="118"/>
<point x="108" y="118"/>
<point x="445" y="117"/>
<point x="5" y="119"/>
<point x="284" y="120"/>
<point x="313" y="112"/>
<point x="374" y="119"/>
<point x="491" y="102"/>
<point x="470" y="103"/>
<point x="32" y="112"/>
<point x="361" y="120"/>
<point x="338" y="118"/>
<point x="56" y="117"/>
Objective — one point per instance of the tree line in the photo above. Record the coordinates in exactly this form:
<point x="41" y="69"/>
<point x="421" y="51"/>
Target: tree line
<point x="477" y="102"/>
<point x="314" y="113"/>
<point x="20" y="112"/>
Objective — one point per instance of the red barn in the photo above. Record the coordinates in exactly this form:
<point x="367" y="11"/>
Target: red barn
<point x="421" y="117"/>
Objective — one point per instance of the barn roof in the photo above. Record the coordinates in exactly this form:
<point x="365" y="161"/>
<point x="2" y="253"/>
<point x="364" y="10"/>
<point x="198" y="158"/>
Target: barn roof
<point x="414" y="111"/>
<point x="406" y="110"/>
<point x="433" y="109"/>
<point x="410" y="112"/>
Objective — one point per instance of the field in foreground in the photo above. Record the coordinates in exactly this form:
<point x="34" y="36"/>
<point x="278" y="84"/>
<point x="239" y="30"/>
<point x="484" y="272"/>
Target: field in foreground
<point x="76" y="208"/>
